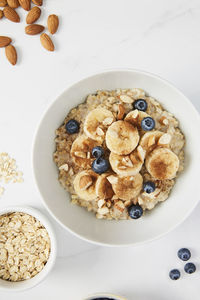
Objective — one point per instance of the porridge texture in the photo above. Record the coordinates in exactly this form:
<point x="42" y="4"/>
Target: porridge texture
<point x="141" y="153"/>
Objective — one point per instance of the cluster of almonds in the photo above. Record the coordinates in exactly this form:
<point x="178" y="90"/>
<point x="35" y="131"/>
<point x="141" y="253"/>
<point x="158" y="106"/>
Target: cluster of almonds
<point x="31" y="29"/>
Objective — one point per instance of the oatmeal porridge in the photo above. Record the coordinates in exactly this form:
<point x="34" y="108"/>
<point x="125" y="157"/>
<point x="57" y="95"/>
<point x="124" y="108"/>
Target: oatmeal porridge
<point x="119" y="153"/>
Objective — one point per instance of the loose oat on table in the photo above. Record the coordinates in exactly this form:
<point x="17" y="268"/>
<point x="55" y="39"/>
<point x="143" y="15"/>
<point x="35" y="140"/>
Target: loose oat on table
<point x="9" y="172"/>
<point x="24" y="246"/>
<point x="108" y="119"/>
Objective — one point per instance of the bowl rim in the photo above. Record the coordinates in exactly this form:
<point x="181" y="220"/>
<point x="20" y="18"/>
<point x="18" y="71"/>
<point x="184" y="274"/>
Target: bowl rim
<point x="91" y="297"/>
<point x="53" y="253"/>
<point x="71" y="85"/>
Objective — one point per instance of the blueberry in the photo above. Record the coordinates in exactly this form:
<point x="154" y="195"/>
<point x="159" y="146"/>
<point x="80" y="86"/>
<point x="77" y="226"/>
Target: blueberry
<point x="97" y="152"/>
<point x="184" y="254"/>
<point x="149" y="187"/>
<point x="190" y="268"/>
<point x="135" y="211"/>
<point x="100" y="165"/>
<point x="72" y="126"/>
<point x="148" y="124"/>
<point x="140" y="104"/>
<point x="174" y="274"/>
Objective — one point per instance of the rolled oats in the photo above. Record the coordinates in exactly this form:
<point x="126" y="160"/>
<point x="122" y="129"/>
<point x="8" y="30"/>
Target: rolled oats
<point x="24" y="246"/>
<point x="8" y="170"/>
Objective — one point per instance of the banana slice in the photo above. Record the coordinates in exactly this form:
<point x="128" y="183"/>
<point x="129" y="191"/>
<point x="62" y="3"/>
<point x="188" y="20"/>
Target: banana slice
<point x="162" y="163"/>
<point x="97" y="122"/>
<point x="127" y="165"/>
<point x="122" y="138"/>
<point x="85" y="185"/>
<point x="150" y="140"/>
<point x="126" y="188"/>
<point x="103" y="187"/>
<point x="135" y="117"/>
<point x="81" y="151"/>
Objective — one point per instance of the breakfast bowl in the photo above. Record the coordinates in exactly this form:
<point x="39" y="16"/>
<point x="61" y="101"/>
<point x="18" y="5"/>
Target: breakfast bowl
<point x="167" y="215"/>
<point x="28" y="232"/>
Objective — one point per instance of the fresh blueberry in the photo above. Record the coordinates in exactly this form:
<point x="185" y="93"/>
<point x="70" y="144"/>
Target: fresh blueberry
<point x="135" y="211"/>
<point x="148" y="124"/>
<point x="190" y="268"/>
<point x="100" y="165"/>
<point x="97" y="152"/>
<point x="149" y="187"/>
<point x="184" y="254"/>
<point x="140" y="104"/>
<point x="174" y="274"/>
<point x="72" y="126"/>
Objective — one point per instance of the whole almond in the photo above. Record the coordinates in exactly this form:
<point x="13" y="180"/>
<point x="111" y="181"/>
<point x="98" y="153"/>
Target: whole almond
<point x="52" y="23"/>
<point x="4" y="41"/>
<point x="46" y="42"/>
<point x="11" y="54"/>
<point x="1" y="14"/>
<point x="33" y="15"/>
<point x="13" y="3"/>
<point x="3" y="3"/>
<point x="38" y="2"/>
<point x="34" y="29"/>
<point x="11" y="14"/>
<point x="25" y="4"/>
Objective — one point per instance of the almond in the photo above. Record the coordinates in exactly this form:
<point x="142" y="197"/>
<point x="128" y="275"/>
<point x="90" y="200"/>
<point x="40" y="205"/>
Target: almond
<point x="46" y="42"/>
<point x="33" y="15"/>
<point x="34" y="29"/>
<point x="11" y="54"/>
<point x="3" y="3"/>
<point x="13" y="3"/>
<point x="4" y="41"/>
<point x="37" y="2"/>
<point x="25" y="4"/>
<point x="1" y="14"/>
<point x="11" y="14"/>
<point x="52" y="23"/>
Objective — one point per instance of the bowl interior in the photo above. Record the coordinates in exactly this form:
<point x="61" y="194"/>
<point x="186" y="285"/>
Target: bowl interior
<point x="166" y="215"/>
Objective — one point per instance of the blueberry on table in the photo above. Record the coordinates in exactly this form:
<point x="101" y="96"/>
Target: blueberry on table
<point x="184" y="254"/>
<point x="190" y="268"/>
<point x="97" y="152"/>
<point x="149" y="187"/>
<point x="148" y="124"/>
<point x="135" y="211"/>
<point x="72" y="126"/>
<point x="174" y="274"/>
<point x="140" y="104"/>
<point x="100" y="165"/>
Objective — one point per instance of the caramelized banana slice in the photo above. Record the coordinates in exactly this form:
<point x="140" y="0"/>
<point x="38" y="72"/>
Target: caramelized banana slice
<point x="85" y="185"/>
<point x="127" y="165"/>
<point x="122" y="138"/>
<point x="81" y="151"/>
<point x="162" y="164"/>
<point x="97" y="122"/>
<point x="126" y="188"/>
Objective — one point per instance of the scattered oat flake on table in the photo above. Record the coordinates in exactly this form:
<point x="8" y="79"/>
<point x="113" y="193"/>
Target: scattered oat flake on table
<point x="8" y="169"/>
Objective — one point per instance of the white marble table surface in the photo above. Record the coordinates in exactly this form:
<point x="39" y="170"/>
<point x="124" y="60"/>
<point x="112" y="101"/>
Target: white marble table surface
<point x="159" y="36"/>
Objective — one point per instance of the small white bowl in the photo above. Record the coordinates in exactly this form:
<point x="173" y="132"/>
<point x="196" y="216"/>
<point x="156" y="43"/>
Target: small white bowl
<point x="104" y="295"/>
<point x="29" y="283"/>
<point x="167" y="215"/>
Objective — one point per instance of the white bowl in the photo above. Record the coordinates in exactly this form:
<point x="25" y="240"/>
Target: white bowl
<point x="29" y="283"/>
<point x="83" y="224"/>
